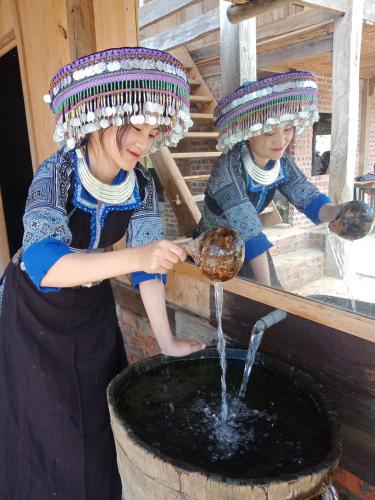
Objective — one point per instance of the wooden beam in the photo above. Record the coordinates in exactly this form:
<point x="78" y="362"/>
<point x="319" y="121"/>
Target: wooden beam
<point x="178" y="194"/>
<point x="185" y="32"/>
<point x="345" y="101"/>
<point x="253" y="8"/>
<point x="336" y="6"/>
<point x="81" y="28"/>
<point x="156" y="11"/>
<point x="7" y="42"/>
<point x="291" y="25"/>
<point x="116" y="23"/>
<point x="295" y="51"/>
<point x="345" y="321"/>
<point x="364" y="138"/>
<point x="248" y="50"/>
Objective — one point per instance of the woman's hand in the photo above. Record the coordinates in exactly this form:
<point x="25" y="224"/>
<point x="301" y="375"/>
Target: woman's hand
<point x="160" y="256"/>
<point x="177" y="347"/>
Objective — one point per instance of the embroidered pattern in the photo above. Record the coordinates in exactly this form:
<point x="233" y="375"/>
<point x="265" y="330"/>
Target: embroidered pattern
<point x="145" y="224"/>
<point x="45" y="215"/>
<point x="232" y="191"/>
<point x="97" y="210"/>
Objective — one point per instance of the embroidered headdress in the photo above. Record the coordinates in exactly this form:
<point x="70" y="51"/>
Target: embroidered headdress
<point x="118" y="86"/>
<point x="256" y="107"/>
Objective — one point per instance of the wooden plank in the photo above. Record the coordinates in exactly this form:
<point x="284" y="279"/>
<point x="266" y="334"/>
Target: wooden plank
<point x="201" y="116"/>
<point x="365" y="126"/>
<point x="248" y="50"/>
<point x="156" y="10"/>
<point x="299" y="23"/>
<point x="201" y="135"/>
<point x="7" y="42"/>
<point x="202" y="177"/>
<point x="200" y="99"/>
<point x="4" y="247"/>
<point x="185" y="32"/>
<point x="197" y="154"/>
<point x="239" y="13"/>
<point x="40" y="57"/>
<point x="345" y="101"/>
<point x="178" y="194"/>
<point x="81" y="28"/>
<point x="345" y="321"/>
<point x="336" y="6"/>
<point x="116" y="23"/>
<point x="6" y="18"/>
<point x="295" y="51"/>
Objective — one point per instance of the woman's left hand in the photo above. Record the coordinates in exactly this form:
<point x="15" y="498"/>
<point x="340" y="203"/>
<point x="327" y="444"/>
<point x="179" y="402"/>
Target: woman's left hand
<point x="177" y="347"/>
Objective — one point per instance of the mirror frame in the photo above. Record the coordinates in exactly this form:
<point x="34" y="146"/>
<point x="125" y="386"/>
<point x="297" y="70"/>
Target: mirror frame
<point x="339" y="319"/>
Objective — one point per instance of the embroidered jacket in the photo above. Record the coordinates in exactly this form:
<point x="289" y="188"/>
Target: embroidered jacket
<point x="56" y="193"/>
<point x="233" y="199"/>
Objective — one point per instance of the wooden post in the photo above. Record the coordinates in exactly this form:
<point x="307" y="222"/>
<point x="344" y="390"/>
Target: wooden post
<point x="49" y="35"/>
<point x="239" y="13"/>
<point x="237" y="51"/>
<point x="116" y="23"/>
<point x="364" y="138"/>
<point x="345" y="101"/>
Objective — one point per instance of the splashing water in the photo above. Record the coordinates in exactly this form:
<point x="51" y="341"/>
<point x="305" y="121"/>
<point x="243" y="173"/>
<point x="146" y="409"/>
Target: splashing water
<point x="342" y="250"/>
<point x="221" y="350"/>
<point x="255" y="340"/>
<point x="329" y="493"/>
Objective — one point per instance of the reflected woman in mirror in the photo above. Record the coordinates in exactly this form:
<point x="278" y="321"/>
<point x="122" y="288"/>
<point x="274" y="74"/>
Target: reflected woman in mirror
<point x="256" y="124"/>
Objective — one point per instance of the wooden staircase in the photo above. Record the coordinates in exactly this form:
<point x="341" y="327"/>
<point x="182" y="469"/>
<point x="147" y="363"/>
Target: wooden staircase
<point x="182" y="181"/>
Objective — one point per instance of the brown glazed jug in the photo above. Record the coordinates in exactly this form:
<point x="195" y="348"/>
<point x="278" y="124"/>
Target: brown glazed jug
<point x="354" y="221"/>
<point x="219" y="253"/>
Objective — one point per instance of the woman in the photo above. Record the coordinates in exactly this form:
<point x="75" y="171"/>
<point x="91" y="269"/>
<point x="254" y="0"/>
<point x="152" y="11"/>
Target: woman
<point x="256" y="125"/>
<point x="60" y="343"/>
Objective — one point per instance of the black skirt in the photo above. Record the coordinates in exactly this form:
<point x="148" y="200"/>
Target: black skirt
<point x="58" y="352"/>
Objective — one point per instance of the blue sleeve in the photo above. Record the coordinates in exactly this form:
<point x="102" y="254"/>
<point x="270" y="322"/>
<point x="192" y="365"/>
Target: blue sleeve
<point x="256" y="246"/>
<point x="139" y="276"/>
<point x="312" y="209"/>
<point x="39" y="257"/>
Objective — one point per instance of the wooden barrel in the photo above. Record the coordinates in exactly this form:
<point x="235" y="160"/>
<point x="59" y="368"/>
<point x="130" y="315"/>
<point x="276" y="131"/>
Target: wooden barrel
<point x="146" y="474"/>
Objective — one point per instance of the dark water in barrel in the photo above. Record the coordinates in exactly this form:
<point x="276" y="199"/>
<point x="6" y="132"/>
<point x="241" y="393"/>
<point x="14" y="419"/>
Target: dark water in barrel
<point x="175" y="409"/>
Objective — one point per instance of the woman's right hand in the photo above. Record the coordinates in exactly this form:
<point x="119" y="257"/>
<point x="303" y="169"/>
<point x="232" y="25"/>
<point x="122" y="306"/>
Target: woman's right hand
<point x="160" y="256"/>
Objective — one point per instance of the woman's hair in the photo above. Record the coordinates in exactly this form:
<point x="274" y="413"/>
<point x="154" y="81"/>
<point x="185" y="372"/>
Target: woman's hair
<point x="121" y="135"/>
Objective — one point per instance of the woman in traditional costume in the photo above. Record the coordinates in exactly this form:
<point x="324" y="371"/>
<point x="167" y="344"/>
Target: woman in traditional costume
<point x="256" y="124"/>
<point x="60" y="342"/>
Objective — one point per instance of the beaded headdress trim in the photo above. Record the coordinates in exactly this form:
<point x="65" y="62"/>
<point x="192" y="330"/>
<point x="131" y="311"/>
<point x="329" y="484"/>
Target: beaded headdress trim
<point x="256" y="107"/>
<point x="120" y="86"/>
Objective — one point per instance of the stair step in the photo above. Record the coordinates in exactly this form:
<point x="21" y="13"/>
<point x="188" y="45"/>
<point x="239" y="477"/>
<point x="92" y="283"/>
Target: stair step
<point x="299" y="267"/>
<point x="201" y="135"/>
<point x="267" y="210"/>
<point x="198" y="197"/>
<point x="203" y="177"/>
<point x="200" y="98"/>
<point x="201" y="116"/>
<point x="197" y="154"/>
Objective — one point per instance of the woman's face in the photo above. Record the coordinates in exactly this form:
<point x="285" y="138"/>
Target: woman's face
<point x="135" y="144"/>
<point x="272" y="145"/>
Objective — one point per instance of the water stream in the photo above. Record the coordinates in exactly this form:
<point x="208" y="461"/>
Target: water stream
<point x="221" y="350"/>
<point x="342" y="250"/>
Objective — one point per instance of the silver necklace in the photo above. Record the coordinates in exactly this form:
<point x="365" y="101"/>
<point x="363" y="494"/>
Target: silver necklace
<point x="113" y="195"/>
<point x="263" y="177"/>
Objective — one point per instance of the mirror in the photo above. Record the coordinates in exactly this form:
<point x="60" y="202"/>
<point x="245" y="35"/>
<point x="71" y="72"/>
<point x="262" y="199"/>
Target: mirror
<point x="302" y="256"/>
